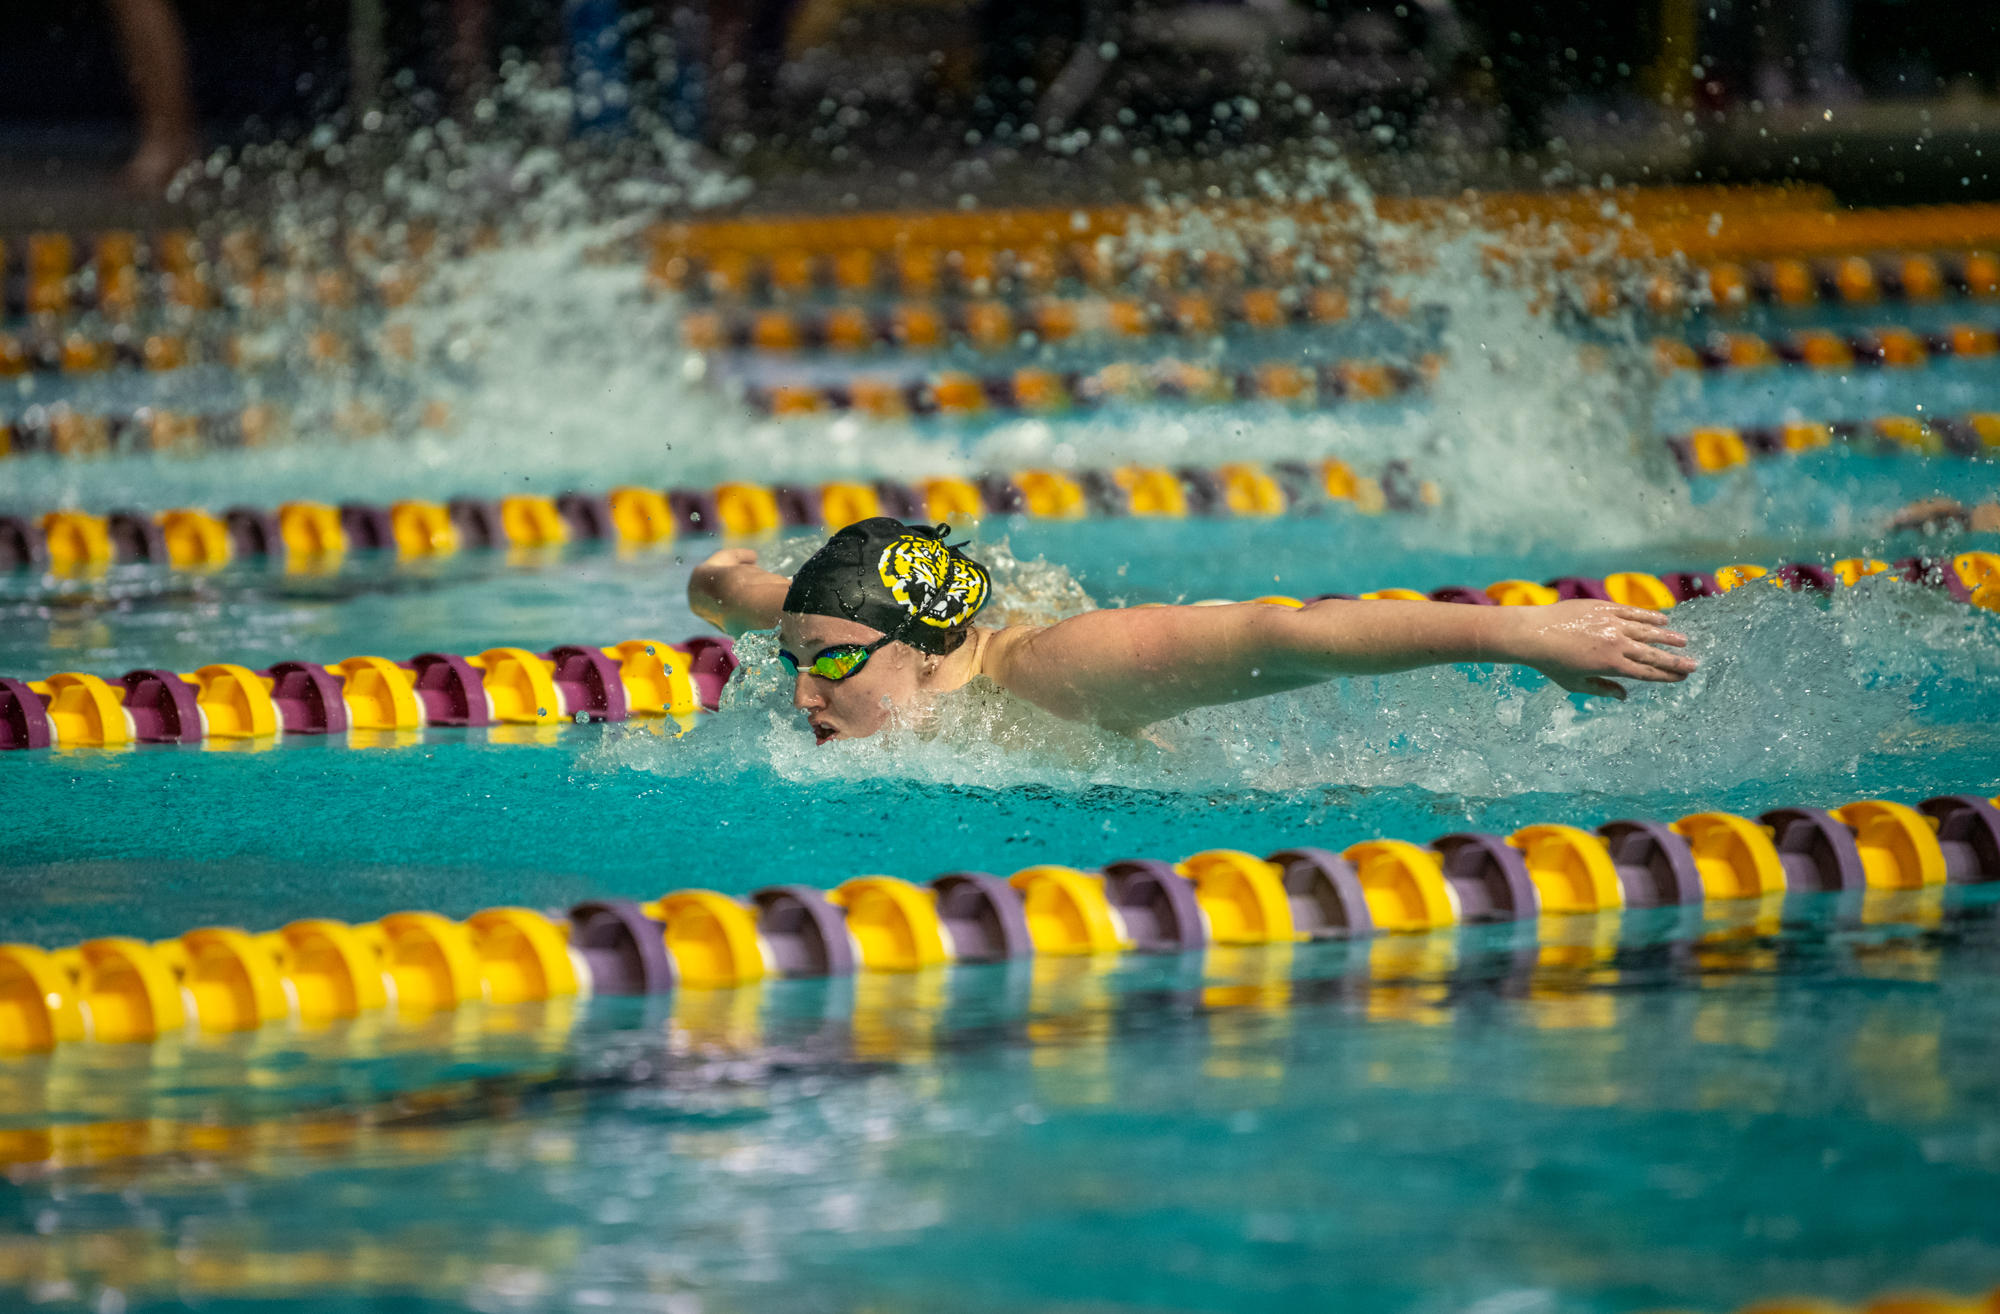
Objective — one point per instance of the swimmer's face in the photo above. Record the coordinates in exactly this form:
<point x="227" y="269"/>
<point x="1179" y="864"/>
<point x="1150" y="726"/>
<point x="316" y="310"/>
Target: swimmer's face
<point x="861" y="704"/>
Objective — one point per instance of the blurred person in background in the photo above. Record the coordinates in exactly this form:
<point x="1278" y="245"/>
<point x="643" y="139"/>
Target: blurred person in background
<point x="1146" y="59"/>
<point x="1803" y="49"/>
<point x="156" y="65"/>
<point x="1777" y="52"/>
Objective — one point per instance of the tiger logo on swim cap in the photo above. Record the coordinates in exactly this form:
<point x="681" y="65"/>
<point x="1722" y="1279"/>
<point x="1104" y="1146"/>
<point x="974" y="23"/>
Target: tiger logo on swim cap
<point x="934" y="584"/>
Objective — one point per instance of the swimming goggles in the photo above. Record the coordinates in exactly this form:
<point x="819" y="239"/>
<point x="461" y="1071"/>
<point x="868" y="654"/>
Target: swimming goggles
<point x="837" y="662"/>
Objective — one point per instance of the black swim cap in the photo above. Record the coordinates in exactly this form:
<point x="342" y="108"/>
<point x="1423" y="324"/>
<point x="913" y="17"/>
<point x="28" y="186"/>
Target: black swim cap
<point x="903" y="580"/>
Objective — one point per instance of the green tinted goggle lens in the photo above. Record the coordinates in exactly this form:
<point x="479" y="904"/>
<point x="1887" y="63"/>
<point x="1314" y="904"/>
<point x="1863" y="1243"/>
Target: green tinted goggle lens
<point x="835" y="663"/>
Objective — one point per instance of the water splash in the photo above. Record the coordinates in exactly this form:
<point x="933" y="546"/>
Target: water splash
<point x="530" y="353"/>
<point x="1792" y="686"/>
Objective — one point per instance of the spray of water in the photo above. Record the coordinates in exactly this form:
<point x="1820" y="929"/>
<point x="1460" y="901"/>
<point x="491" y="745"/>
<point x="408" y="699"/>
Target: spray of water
<point x="1792" y="685"/>
<point x="513" y="343"/>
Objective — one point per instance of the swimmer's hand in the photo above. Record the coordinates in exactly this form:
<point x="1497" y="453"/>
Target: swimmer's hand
<point x="1580" y="644"/>
<point x="731" y="592"/>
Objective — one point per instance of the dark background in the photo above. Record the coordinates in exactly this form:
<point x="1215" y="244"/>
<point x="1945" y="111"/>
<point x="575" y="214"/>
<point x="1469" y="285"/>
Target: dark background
<point x="1583" y="74"/>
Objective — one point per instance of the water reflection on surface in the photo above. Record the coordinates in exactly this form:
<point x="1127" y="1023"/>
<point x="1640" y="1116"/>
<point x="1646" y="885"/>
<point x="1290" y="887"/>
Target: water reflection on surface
<point x="1696" y="1108"/>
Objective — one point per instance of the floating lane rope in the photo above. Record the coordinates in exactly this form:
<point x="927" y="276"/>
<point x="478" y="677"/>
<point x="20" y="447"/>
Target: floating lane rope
<point x="1786" y="245"/>
<point x="877" y="392"/>
<point x="160" y="303"/>
<point x="306" y="532"/>
<point x="1566" y="979"/>
<point x="1561" y="974"/>
<point x="498" y="687"/>
<point x="1742" y="245"/>
<point x="1971" y="577"/>
<point x="314" y="536"/>
<point x="317" y="970"/>
<point x="1824" y="349"/>
<point x="167" y="299"/>
<point x="61" y="430"/>
<point x="957" y="393"/>
<point x="1712" y="449"/>
<point x="995" y="326"/>
<point x="576" y="683"/>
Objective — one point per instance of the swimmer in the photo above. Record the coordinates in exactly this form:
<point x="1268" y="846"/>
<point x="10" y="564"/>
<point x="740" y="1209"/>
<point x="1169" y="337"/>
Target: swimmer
<point x="1932" y="514"/>
<point x="881" y="618"/>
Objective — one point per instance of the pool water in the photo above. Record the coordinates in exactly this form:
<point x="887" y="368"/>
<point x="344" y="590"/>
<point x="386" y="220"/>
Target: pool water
<point x="1576" y="1114"/>
<point x="1816" y="507"/>
<point x="1650" y="1114"/>
<point x="1881" y="689"/>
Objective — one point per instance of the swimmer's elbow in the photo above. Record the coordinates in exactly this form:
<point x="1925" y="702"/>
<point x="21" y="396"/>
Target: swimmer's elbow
<point x="736" y="598"/>
<point x="705" y="599"/>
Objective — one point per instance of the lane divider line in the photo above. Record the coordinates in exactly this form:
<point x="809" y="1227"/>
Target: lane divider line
<point x="116" y="989"/>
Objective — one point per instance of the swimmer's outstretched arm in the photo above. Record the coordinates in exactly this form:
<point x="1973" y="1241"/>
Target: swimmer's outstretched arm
<point x="731" y="592"/>
<point x="1127" y="668"/>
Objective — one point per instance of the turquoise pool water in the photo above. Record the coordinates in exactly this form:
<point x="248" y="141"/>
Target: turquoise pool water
<point x="1817" y="507"/>
<point x="1883" y="689"/>
<point x="1658" y="1114"/>
<point x="1577" y="1114"/>
<point x="1571" y="1115"/>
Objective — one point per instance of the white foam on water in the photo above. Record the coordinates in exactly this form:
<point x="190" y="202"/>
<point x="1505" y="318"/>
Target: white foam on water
<point x="1532" y="432"/>
<point x="558" y="367"/>
<point x="555" y="366"/>
<point x="540" y="345"/>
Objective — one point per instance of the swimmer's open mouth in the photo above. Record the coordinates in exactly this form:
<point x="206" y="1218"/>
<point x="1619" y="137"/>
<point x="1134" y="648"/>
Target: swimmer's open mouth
<point x="823" y="732"/>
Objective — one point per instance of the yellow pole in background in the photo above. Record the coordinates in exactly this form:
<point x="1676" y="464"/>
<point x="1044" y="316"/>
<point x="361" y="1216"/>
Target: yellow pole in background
<point x="1671" y="77"/>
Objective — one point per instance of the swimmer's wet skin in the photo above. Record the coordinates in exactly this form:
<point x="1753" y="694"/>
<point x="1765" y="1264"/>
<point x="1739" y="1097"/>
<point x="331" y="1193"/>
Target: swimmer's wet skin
<point x="1126" y="668"/>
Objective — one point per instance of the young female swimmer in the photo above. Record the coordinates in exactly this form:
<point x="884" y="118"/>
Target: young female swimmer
<point x="881" y="618"/>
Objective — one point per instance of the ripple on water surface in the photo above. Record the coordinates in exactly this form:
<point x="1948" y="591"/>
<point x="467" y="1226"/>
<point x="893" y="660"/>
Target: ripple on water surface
<point x="1686" y="1112"/>
<point x="1800" y="699"/>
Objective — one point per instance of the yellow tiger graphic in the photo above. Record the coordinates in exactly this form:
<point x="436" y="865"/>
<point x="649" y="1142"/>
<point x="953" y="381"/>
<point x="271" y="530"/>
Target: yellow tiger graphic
<point x="938" y="588"/>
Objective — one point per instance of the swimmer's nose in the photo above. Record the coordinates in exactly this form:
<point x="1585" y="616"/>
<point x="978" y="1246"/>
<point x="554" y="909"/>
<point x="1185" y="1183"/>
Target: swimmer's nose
<point x="804" y="696"/>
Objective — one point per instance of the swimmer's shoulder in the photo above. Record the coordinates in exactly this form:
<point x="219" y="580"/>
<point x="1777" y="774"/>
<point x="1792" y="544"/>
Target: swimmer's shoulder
<point x="1001" y="655"/>
<point x="993" y="652"/>
<point x="1002" y="646"/>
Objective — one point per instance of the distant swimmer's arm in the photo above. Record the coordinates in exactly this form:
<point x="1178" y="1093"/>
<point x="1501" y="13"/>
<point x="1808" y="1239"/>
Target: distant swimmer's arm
<point x="1933" y="511"/>
<point x="731" y="592"/>
<point x="1127" y="668"/>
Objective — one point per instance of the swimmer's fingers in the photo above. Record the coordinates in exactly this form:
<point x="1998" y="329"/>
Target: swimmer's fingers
<point x="1645" y="662"/>
<point x="1648" y="632"/>
<point x="1582" y="646"/>
<point x="1642" y="659"/>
